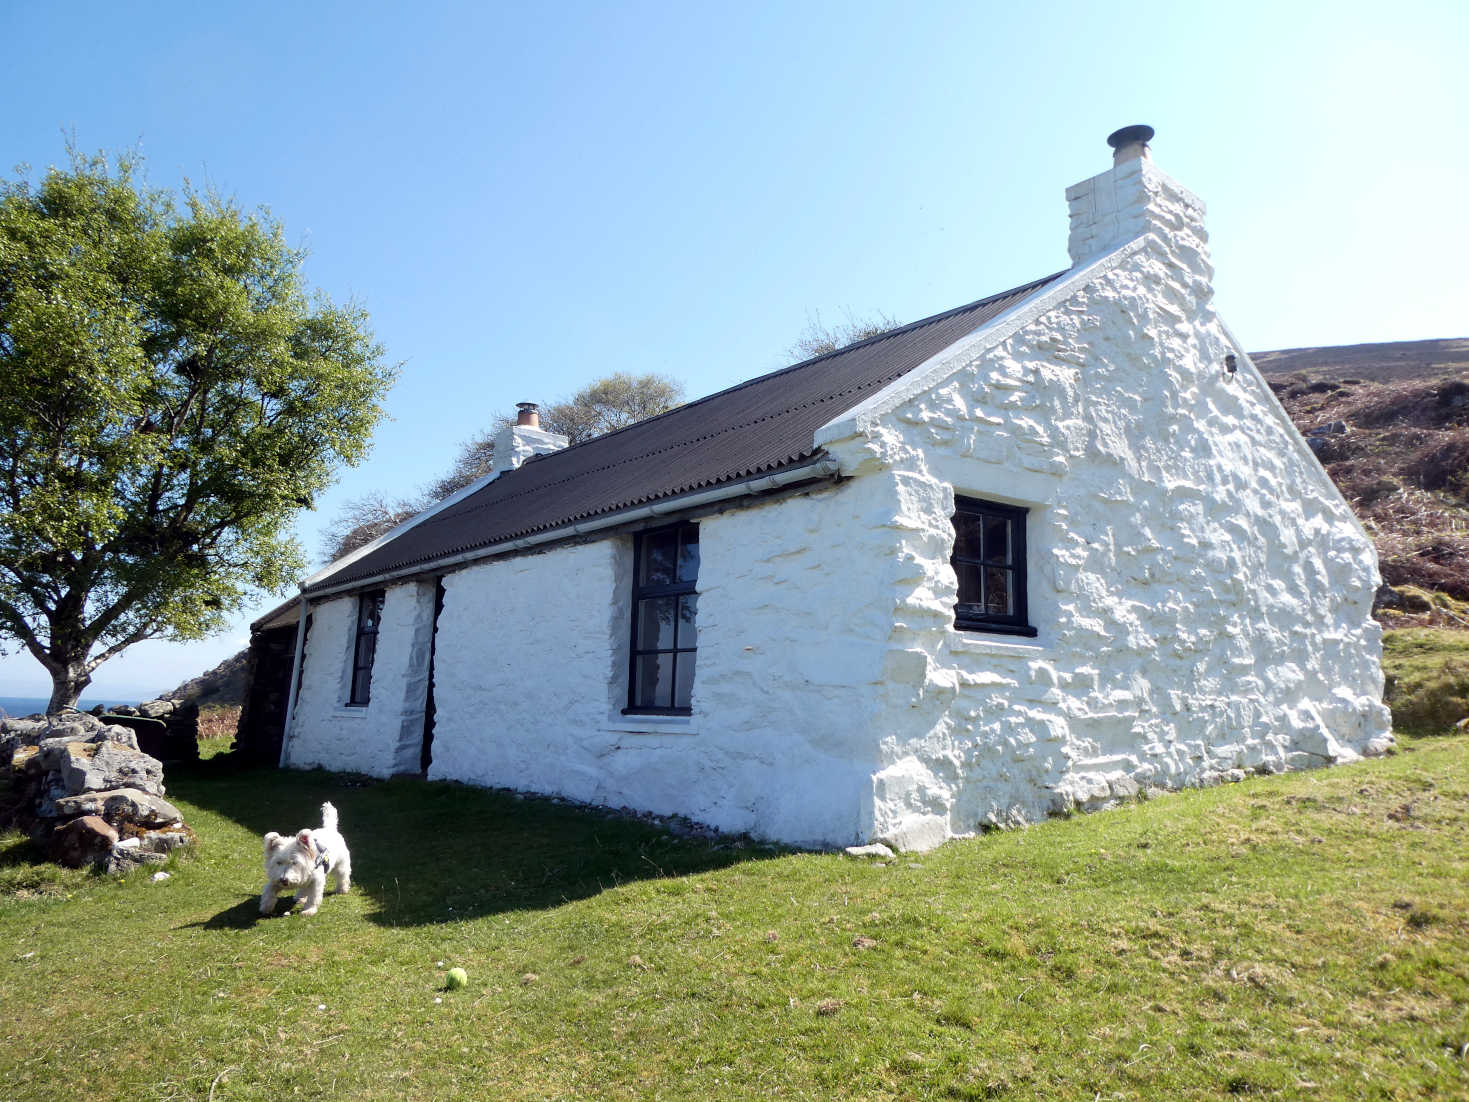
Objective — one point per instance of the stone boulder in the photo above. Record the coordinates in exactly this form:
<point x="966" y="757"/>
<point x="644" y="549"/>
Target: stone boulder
<point x="66" y="727"/>
<point x="121" y="805"/>
<point x="100" y="766"/>
<point x="82" y="786"/>
<point x="84" y="841"/>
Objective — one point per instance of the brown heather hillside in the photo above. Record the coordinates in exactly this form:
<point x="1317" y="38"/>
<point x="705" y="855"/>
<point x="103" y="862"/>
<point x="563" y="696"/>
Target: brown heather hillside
<point x="1390" y="423"/>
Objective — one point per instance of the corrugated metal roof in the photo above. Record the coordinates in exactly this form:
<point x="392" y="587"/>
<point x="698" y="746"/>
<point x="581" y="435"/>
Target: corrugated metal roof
<point x="758" y="427"/>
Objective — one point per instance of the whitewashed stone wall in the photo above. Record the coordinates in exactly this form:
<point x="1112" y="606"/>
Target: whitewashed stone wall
<point x="532" y="663"/>
<point x="385" y="737"/>
<point x="1202" y="592"/>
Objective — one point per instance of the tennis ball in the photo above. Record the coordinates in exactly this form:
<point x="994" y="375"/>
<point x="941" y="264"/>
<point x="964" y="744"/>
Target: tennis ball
<point x="456" y="979"/>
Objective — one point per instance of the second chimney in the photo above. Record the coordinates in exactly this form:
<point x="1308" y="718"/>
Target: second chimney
<point x="516" y="443"/>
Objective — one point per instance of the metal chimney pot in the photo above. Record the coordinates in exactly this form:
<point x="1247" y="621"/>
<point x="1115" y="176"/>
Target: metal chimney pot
<point x="1130" y="142"/>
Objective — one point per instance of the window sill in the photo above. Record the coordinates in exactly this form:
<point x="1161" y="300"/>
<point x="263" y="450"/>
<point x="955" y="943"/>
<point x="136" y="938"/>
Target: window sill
<point x="984" y="628"/>
<point x="652" y="725"/>
<point x="982" y="641"/>
<point x="350" y="711"/>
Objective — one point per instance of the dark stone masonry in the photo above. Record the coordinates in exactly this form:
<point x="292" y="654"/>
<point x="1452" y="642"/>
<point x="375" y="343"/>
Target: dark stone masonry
<point x="83" y="788"/>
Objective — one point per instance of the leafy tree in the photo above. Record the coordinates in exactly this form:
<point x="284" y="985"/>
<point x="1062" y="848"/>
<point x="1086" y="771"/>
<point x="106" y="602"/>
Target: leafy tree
<point x="612" y="403"/>
<point x="597" y="408"/>
<point x="173" y="395"/>
<point x="818" y="339"/>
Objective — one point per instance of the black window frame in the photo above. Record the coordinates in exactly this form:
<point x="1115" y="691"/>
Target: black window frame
<point x="359" y="688"/>
<point x="641" y="593"/>
<point x="971" y="615"/>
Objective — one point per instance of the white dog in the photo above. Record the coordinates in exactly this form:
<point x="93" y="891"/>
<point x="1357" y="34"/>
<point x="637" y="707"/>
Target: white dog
<point x="301" y="864"/>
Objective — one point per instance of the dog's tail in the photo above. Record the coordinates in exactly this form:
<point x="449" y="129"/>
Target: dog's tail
<point x="328" y="816"/>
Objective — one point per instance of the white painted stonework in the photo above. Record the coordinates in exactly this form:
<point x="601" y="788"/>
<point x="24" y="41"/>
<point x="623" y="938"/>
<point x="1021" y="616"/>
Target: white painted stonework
<point x="1200" y="590"/>
<point x="383" y="738"/>
<point x="769" y="748"/>
<point x="514" y="444"/>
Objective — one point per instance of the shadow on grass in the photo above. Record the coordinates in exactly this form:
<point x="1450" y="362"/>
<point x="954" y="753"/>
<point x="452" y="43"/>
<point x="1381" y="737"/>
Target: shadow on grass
<point x="241" y="916"/>
<point x="25" y="871"/>
<point x="430" y="852"/>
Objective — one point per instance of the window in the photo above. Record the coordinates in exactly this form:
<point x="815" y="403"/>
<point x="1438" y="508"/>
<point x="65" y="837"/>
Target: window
<point x="364" y="648"/>
<point x="664" y="611"/>
<point x="989" y="559"/>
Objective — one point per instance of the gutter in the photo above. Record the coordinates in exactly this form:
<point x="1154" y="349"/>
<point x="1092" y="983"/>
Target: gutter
<point x="825" y="467"/>
<point x="397" y="530"/>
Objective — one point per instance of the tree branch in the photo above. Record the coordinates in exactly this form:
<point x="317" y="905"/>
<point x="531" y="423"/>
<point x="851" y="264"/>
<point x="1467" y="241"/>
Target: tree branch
<point x="17" y="625"/>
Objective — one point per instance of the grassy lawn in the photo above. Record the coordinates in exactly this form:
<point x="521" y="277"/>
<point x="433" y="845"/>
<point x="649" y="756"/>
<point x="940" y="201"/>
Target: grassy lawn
<point x="1297" y="936"/>
<point x="1427" y="678"/>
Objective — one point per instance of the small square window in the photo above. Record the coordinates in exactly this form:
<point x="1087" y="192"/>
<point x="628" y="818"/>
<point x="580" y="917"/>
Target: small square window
<point x="989" y="563"/>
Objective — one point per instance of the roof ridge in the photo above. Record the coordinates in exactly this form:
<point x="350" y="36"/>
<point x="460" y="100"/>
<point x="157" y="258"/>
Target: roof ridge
<point x="471" y="505"/>
<point x="769" y="429"/>
<point x="884" y="335"/>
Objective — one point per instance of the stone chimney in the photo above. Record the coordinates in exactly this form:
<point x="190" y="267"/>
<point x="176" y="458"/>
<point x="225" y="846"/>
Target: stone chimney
<point x="516" y="443"/>
<point x="1133" y="198"/>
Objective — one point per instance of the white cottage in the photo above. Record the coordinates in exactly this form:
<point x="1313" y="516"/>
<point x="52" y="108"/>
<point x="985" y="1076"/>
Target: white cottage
<point x="1023" y="556"/>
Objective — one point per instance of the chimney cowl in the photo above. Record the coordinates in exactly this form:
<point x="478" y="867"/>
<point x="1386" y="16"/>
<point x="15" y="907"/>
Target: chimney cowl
<point x="527" y="414"/>
<point x="1130" y="142"/>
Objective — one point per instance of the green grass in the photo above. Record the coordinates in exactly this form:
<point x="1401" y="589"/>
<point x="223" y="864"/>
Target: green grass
<point x="1427" y="678"/>
<point x="1287" y="937"/>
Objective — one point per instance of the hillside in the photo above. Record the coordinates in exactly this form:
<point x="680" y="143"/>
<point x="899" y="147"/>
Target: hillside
<point x="1379" y="363"/>
<point x="221" y="687"/>
<point x="1390" y="423"/>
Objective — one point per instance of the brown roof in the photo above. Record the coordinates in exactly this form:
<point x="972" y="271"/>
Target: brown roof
<point x="756" y="428"/>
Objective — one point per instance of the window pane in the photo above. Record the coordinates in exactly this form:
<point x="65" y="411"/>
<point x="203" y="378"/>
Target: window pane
<point x="688" y="628"/>
<point x="967" y="535"/>
<point x="683" y="693"/>
<point x="660" y="549"/>
<point x="655" y="623"/>
<point x="969" y="592"/>
<point x="653" y="687"/>
<point x="998" y="600"/>
<point x="361" y="684"/>
<point x="688" y="555"/>
<point x="997" y="539"/>
<point x="366" y="649"/>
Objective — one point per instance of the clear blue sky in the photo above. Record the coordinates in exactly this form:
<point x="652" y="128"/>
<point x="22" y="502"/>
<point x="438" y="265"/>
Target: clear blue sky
<point x="529" y="197"/>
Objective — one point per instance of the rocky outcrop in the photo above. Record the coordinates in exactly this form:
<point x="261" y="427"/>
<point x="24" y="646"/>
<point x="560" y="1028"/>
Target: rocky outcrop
<point x="84" y="788"/>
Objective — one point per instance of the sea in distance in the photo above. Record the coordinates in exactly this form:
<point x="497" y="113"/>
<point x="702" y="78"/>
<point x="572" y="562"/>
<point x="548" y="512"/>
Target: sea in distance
<point x="30" y="705"/>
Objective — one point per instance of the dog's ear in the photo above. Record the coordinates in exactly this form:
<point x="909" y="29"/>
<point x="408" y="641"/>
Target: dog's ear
<point x="305" y="839"/>
<point x="272" y="842"/>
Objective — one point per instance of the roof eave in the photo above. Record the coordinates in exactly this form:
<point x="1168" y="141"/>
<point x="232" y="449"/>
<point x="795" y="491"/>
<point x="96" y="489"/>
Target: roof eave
<point x="822" y="467"/>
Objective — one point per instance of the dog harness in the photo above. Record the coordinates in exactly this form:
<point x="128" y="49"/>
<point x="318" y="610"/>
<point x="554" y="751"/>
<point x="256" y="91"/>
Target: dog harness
<point x="321" y="861"/>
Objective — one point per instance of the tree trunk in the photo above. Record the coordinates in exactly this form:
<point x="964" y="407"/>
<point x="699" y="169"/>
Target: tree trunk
<point x="67" y="684"/>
